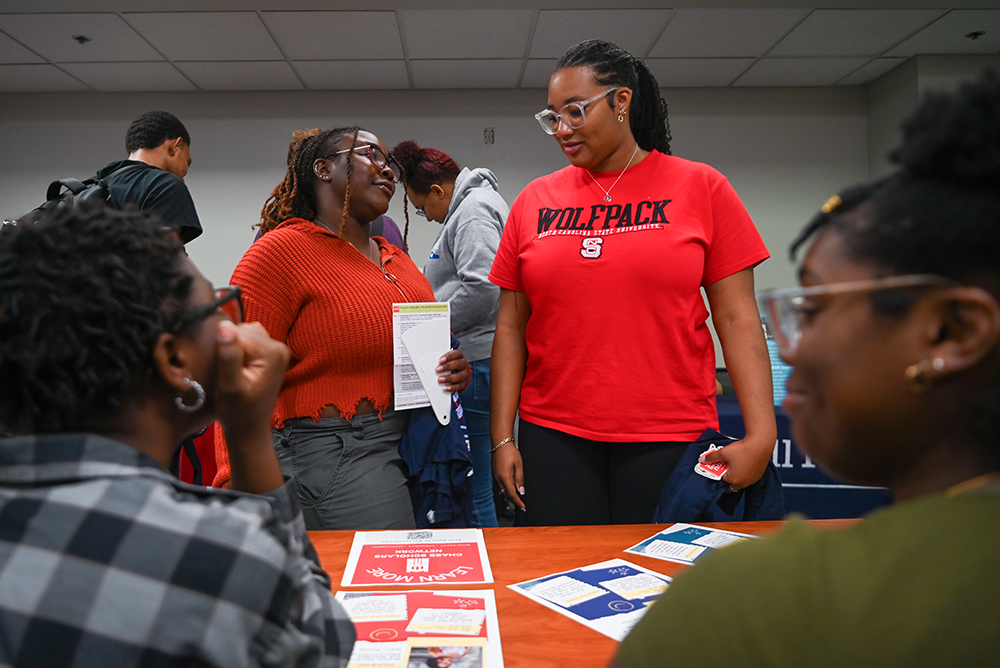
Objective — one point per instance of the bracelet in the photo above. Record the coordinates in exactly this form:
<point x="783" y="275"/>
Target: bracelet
<point x="509" y="439"/>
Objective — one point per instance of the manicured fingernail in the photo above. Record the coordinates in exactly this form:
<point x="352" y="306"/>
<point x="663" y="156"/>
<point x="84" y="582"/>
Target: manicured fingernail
<point x="701" y="459"/>
<point x="520" y="490"/>
<point x="227" y="331"/>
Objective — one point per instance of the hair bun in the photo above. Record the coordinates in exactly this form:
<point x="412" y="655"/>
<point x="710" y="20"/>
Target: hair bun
<point x="407" y="153"/>
<point x="955" y="136"/>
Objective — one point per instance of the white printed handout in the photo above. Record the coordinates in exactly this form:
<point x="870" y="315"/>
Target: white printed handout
<point x="418" y="557"/>
<point x="447" y="621"/>
<point x="609" y="597"/>
<point x="416" y="355"/>
<point x="686" y="543"/>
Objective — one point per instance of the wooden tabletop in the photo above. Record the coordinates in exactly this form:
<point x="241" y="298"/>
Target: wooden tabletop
<point x="531" y="634"/>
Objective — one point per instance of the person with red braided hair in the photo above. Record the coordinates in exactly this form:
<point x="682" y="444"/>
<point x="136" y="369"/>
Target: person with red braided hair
<point x="472" y="214"/>
<point x="319" y="284"/>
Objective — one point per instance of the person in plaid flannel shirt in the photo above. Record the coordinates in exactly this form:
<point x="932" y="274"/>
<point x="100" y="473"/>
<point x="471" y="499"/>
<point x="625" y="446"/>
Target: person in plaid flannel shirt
<point x="113" y="348"/>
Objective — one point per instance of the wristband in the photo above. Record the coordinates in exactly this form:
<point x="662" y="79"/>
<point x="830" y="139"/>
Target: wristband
<point x="509" y="439"/>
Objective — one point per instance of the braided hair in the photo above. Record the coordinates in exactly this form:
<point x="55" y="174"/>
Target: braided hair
<point x="295" y="196"/>
<point x="84" y="294"/>
<point x="614" y="66"/>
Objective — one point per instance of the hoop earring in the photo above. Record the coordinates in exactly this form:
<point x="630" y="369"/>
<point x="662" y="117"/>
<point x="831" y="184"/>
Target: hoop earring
<point x="199" y="397"/>
<point x="621" y="116"/>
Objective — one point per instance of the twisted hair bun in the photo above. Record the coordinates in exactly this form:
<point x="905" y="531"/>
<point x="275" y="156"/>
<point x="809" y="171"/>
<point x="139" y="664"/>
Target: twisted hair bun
<point x="407" y="154"/>
<point x="955" y="137"/>
<point x="424" y="167"/>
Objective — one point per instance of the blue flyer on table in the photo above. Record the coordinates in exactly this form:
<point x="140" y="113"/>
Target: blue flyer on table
<point x="686" y="543"/>
<point x="609" y="597"/>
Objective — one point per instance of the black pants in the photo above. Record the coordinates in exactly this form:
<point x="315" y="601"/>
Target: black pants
<point x="573" y="480"/>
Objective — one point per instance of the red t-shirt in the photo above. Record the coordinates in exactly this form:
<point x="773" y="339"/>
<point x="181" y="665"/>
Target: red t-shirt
<point x="618" y="344"/>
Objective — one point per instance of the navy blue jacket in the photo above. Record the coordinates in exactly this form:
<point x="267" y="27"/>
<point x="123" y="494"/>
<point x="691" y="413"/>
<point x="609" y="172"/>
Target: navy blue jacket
<point x="690" y="497"/>
<point x="440" y="468"/>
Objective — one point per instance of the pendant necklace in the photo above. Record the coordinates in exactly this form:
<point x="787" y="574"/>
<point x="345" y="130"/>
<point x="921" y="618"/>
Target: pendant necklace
<point x="607" y="193"/>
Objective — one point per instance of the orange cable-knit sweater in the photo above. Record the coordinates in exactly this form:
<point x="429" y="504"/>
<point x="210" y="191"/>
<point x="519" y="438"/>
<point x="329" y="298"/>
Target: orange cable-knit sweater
<point x="332" y="307"/>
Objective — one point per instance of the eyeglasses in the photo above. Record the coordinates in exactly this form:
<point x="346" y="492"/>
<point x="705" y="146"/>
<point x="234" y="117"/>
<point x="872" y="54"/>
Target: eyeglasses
<point x="376" y="157"/>
<point x="574" y="118"/>
<point x="228" y="300"/>
<point x="420" y="211"/>
<point x="788" y="310"/>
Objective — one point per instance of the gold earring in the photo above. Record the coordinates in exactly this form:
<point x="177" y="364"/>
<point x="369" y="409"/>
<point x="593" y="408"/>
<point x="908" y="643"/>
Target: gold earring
<point x="919" y="374"/>
<point x="621" y="115"/>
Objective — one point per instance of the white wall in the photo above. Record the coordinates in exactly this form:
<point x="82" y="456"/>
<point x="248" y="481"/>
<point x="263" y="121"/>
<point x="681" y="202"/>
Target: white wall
<point x="784" y="150"/>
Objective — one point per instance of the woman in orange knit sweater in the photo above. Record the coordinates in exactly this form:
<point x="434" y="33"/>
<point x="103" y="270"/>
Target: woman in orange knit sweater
<point x="318" y="283"/>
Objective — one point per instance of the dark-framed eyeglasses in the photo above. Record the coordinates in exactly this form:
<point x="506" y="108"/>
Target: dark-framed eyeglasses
<point x="787" y="310"/>
<point x="228" y="300"/>
<point x="574" y="114"/>
<point x="375" y="156"/>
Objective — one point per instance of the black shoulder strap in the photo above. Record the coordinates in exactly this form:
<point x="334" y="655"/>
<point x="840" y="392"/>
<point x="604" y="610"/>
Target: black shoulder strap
<point x="378" y="225"/>
<point x="123" y="169"/>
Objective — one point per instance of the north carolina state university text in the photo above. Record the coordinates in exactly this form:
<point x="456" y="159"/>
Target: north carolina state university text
<point x="604" y="216"/>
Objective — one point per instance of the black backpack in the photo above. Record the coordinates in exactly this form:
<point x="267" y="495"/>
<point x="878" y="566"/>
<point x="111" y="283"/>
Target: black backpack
<point x="79" y="193"/>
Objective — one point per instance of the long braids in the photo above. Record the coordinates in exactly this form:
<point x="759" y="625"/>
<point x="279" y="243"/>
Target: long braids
<point x="295" y="196"/>
<point x="614" y="66"/>
<point x="350" y="172"/>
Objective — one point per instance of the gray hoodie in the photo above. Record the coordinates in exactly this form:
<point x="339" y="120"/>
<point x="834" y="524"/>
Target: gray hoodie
<point x="459" y="265"/>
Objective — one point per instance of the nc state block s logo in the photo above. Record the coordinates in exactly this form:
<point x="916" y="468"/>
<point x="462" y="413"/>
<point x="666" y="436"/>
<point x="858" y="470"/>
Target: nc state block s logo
<point x="591" y="247"/>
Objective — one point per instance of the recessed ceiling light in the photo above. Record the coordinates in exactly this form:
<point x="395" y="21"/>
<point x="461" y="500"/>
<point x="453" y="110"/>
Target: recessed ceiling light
<point x="83" y="39"/>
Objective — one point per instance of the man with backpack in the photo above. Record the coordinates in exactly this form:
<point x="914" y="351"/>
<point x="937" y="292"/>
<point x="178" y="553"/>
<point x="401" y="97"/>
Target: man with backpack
<point x="152" y="178"/>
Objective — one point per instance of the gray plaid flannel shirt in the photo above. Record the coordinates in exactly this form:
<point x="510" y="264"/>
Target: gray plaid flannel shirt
<point x="108" y="560"/>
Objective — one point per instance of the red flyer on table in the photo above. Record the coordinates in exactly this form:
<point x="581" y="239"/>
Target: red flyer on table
<point x="417" y="558"/>
<point x="404" y="629"/>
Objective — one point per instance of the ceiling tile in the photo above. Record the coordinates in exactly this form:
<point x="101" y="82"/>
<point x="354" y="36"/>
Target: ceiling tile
<point x="37" y="79"/>
<point x="241" y="76"/>
<point x="635" y="30"/>
<point x="871" y="71"/>
<point x="697" y="72"/>
<point x="853" y="32"/>
<point x="11" y="52"/>
<point x="467" y="33"/>
<point x="206" y="35"/>
<point x="465" y="73"/>
<point x="538" y="72"/>
<point x="336" y="35"/>
<point x="799" y="71"/>
<point x="724" y="33"/>
<point x="948" y="34"/>
<point x="353" y="74"/>
<point x="51" y="36"/>
<point x="130" y="76"/>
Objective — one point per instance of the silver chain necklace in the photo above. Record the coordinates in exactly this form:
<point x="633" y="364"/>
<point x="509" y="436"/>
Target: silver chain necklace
<point x="370" y="241"/>
<point x="607" y="193"/>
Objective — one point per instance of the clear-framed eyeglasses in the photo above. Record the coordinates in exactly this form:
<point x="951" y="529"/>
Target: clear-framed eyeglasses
<point x="376" y="157"/>
<point x="787" y="310"/>
<point x="574" y="114"/>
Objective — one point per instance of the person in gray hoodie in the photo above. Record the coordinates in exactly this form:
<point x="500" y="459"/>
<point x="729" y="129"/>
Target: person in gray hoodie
<point x="472" y="213"/>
